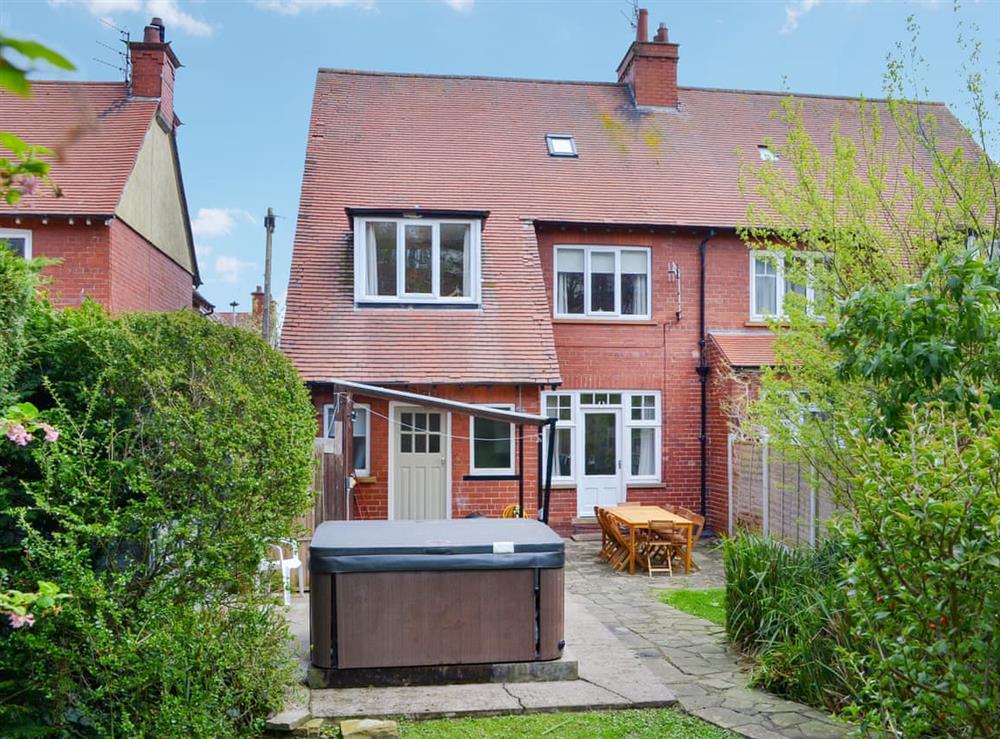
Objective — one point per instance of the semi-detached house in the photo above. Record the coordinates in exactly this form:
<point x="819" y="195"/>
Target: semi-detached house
<point x="558" y="248"/>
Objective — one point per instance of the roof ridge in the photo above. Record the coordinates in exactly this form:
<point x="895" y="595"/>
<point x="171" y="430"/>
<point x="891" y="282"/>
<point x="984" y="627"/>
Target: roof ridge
<point x="789" y="93"/>
<point x="547" y="81"/>
<point x="427" y="75"/>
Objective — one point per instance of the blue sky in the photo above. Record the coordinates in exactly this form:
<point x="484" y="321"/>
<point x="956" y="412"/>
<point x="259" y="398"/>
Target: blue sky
<point x="245" y="90"/>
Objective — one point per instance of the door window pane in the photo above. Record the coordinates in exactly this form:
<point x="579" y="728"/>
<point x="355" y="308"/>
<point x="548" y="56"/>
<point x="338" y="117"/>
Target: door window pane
<point x="569" y="271"/>
<point x="643" y="452"/>
<point x="491" y="445"/>
<point x="600" y="448"/>
<point x="765" y="286"/>
<point x="381" y="258"/>
<point x="634" y="283"/>
<point x="455" y="255"/>
<point x="417" y="268"/>
<point x="602" y="282"/>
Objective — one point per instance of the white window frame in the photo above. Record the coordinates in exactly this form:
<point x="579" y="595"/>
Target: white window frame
<point x="810" y="258"/>
<point x="587" y="314"/>
<point x="328" y="407"/>
<point x="488" y="471"/>
<point x="561" y="424"/>
<point x="434" y="297"/>
<point x="18" y="233"/>
<point x="628" y="424"/>
<point x="551" y="138"/>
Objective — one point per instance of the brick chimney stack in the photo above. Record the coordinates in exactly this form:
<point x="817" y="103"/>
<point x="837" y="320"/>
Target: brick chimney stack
<point x="257" y="304"/>
<point x="650" y="67"/>
<point x="154" y="66"/>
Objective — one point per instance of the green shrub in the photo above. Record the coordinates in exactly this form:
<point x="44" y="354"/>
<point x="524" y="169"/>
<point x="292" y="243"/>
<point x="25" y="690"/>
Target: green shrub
<point x="786" y="607"/>
<point x="185" y="448"/>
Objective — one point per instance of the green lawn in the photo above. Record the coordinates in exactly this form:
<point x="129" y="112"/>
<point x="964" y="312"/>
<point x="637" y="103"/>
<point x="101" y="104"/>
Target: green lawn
<point x="707" y="604"/>
<point x="633" y="724"/>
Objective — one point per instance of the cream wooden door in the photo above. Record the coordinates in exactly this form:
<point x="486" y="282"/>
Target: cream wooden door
<point x="419" y="476"/>
<point x="600" y="472"/>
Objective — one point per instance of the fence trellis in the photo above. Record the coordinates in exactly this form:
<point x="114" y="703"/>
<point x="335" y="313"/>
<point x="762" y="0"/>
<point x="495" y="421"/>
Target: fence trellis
<point x="769" y="495"/>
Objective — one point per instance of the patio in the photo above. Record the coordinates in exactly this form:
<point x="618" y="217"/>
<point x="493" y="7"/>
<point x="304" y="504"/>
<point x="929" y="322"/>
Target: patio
<point x="633" y="651"/>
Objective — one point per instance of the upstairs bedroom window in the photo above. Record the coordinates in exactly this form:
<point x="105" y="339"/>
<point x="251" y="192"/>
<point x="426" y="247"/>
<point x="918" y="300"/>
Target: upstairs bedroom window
<point x="602" y="282"/>
<point x="772" y="281"/>
<point x="416" y="260"/>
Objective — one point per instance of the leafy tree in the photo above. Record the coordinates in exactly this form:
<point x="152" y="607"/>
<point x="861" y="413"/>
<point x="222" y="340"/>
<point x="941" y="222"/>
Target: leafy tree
<point x="892" y="399"/>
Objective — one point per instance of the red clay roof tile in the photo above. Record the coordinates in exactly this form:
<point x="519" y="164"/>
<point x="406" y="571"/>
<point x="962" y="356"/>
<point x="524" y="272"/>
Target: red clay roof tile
<point x="391" y="140"/>
<point x="745" y="349"/>
<point x="97" y="128"/>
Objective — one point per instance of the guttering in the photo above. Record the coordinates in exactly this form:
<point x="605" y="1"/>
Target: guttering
<point x="703" y="370"/>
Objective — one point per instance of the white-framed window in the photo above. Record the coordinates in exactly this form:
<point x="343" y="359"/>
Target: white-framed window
<point x="416" y="260"/>
<point x="602" y="282"/>
<point x="560" y="407"/>
<point x="18" y="240"/>
<point x="491" y="444"/>
<point x="360" y="434"/>
<point x="641" y="426"/>
<point x="771" y="283"/>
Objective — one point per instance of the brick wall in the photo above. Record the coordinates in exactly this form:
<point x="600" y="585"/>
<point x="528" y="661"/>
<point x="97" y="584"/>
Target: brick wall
<point x="370" y="498"/>
<point x="143" y="277"/>
<point x="113" y="265"/>
<point x="660" y="354"/>
<point x="83" y="253"/>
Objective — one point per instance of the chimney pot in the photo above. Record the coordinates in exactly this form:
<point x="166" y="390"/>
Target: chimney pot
<point x="642" y="26"/>
<point x="661" y="34"/>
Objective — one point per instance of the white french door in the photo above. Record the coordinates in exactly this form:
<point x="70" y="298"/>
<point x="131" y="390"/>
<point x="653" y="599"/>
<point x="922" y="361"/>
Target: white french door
<point x="600" y="474"/>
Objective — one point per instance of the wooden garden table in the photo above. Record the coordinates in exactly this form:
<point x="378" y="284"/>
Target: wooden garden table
<point x="636" y="517"/>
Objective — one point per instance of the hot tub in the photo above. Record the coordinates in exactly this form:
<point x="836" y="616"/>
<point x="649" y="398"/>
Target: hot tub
<point x="392" y="594"/>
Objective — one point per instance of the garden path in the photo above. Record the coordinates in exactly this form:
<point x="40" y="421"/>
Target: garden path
<point x="690" y="656"/>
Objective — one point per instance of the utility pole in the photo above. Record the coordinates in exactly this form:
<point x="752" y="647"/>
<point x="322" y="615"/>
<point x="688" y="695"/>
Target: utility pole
<point x="269" y="227"/>
<point x="232" y="316"/>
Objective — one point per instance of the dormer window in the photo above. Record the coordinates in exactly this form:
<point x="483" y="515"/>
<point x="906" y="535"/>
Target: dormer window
<point x="416" y="260"/>
<point x="561" y="145"/>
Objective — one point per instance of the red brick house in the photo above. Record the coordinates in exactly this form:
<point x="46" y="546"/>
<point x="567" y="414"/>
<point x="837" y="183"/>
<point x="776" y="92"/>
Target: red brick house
<point x="559" y="248"/>
<point x="120" y="229"/>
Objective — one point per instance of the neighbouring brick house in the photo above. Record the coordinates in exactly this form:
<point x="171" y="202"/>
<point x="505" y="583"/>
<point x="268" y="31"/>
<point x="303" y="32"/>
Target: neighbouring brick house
<point x="559" y="248"/>
<point x="121" y="229"/>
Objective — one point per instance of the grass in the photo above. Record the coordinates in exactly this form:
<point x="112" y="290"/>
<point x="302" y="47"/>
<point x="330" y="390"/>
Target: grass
<point x="633" y="724"/>
<point x="708" y="604"/>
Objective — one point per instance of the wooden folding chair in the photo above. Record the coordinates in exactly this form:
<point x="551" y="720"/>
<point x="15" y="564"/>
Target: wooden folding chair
<point x="620" y="553"/>
<point x="606" y="548"/>
<point x="699" y="525"/>
<point x="660" y="544"/>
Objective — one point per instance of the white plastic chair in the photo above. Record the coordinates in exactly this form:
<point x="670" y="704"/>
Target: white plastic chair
<point x="286" y="565"/>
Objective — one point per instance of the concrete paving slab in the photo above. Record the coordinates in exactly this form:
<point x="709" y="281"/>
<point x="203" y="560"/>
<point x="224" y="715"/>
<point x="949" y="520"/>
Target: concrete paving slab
<point x="432" y="701"/>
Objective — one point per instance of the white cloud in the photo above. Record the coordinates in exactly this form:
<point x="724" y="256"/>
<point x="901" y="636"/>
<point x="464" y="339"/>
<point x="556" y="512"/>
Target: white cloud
<point x="229" y="268"/>
<point x="169" y="10"/>
<point x="462" y="6"/>
<point x="294" y="7"/>
<point x="794" y="11"/>
<point x="203" y="250"/>
<point x="218" y="221"/>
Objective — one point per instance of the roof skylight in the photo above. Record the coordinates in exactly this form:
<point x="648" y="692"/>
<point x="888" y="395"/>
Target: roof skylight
<point x="766" y="154"/>
<point x="561" y="145"/>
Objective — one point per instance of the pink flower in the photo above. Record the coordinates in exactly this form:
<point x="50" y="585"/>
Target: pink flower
<point x="51" y="434"/>
<point x="28" y="184"/>
<point x="17" y="620"/>
<point x="18" y="434"/>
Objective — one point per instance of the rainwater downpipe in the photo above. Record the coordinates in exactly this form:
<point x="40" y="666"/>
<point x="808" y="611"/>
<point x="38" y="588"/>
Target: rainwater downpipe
<point x="703" y="370"/>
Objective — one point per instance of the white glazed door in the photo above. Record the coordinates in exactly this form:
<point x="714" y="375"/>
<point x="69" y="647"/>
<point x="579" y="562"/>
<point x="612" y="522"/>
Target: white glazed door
<point x="600" y="465"/>
<point x="419" y="489"/>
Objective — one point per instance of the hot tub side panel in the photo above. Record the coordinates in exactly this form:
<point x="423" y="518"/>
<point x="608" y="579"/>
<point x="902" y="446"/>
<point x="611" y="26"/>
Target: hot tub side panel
<point x="398" y="619"/>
